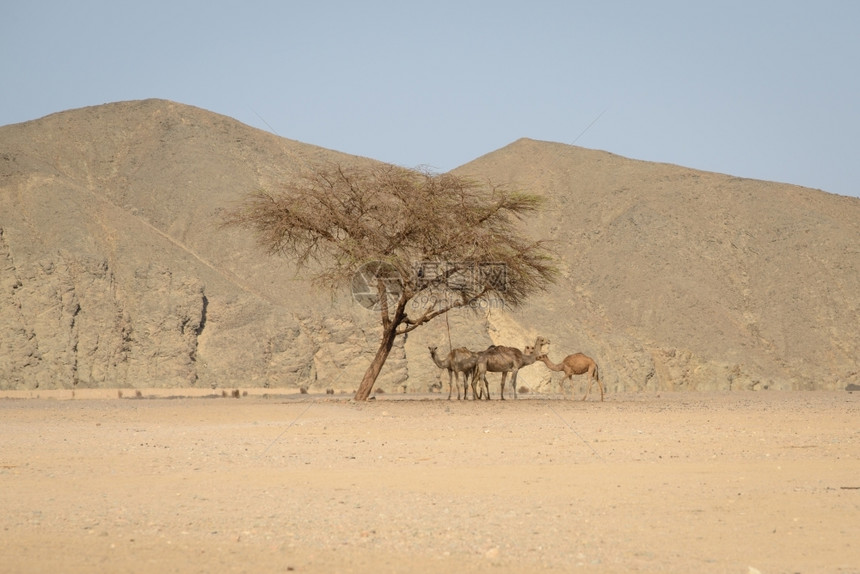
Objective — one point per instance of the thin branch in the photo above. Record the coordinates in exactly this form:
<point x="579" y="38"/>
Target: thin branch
<point x="430" y="314"/>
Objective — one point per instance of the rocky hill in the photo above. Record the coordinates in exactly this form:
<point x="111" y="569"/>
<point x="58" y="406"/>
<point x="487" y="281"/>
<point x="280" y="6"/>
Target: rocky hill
<point x="115" y="271"/>
<point x="683" y="279"/>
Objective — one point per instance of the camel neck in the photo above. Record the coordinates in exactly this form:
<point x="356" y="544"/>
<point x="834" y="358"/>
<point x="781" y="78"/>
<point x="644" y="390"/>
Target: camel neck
<point x="439" y="363"/>
<point x="550" y="364"/>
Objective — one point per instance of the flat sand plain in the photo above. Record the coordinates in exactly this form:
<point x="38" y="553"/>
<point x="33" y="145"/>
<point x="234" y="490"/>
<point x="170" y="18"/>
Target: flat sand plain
<point x="673" y="482"/>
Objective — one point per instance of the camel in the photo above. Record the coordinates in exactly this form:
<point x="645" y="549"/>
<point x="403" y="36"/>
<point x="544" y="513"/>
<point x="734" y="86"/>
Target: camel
<point x="445" y="364"/>
<point x="464" y="361"/>
<point x="576" y="364"/>
<point x="500" y="359"/>
<point x="459" y="360"/>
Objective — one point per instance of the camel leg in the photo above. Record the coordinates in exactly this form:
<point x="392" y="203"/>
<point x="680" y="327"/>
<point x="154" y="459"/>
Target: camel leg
<point x="502" y="386"/>
<point x="486" y="390"/>
<point x="514" y="382"/>
<point x="590" y="382"/>
<point x="477" y="390"/>
<point x="449" y="384"/>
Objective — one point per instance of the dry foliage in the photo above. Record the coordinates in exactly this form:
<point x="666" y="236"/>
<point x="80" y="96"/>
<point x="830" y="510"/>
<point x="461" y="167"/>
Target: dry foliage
<point x="334" y="219"/>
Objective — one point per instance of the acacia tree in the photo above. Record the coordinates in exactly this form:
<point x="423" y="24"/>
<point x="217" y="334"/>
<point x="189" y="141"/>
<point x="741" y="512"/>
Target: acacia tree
<point x="438" y="241"/>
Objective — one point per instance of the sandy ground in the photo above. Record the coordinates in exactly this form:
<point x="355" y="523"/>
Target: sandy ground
<point x="748" y="482"/>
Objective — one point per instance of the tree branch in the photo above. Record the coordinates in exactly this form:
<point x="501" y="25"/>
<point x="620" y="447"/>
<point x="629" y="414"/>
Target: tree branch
<point x="430" y="314"/>
<point x="383" y="302"/>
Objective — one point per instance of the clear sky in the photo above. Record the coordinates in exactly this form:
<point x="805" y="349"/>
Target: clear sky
<point x="760" y="89"/>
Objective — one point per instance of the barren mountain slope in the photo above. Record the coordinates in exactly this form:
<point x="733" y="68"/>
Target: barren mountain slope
<point x="687" y="279"/>
<point x="114" y="271"/>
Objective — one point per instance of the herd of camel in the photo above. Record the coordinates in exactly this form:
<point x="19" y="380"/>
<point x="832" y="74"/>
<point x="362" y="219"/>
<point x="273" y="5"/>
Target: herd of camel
<point x="474" y="365"/>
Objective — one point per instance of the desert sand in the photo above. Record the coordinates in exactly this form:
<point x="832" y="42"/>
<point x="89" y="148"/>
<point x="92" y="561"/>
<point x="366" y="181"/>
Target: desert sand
<point x="672" y="482"/>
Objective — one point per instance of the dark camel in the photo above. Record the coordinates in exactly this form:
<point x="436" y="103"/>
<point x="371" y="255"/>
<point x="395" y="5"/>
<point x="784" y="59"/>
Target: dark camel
<point x="500" y="359"/>
<point x="459" y="360"/>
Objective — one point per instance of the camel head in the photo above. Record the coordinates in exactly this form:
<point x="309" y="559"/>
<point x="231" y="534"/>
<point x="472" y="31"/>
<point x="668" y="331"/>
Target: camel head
<point x="540" y="343"/>
<point x="530" y="351"/>
<point x="530" y="354"/>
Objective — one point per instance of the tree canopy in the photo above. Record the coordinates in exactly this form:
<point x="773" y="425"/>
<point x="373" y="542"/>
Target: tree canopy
<point x="453" y="240"/>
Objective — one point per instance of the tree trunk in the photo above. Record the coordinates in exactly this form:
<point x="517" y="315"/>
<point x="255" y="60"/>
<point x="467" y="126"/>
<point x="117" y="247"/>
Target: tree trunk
<point x="375" y="367"/>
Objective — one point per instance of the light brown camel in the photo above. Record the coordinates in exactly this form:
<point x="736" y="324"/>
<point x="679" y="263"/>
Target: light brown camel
<point x="500" y="359"/>
<point x="576" y="364"/>
<point x="459" y="360"/>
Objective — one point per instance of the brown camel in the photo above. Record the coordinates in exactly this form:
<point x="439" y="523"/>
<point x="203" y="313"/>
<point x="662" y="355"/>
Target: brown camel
<point x="459" y="360"/>
<point x="576" y="364"/>
<point x="500" y="359"/>
<point x="464" y="361"/>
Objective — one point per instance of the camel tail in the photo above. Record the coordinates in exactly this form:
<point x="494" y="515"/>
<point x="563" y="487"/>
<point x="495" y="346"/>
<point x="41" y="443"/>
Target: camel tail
<point x="599" y="383"/>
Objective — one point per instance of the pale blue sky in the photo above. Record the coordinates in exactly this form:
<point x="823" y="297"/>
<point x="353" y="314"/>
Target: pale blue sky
<point x="760" y="89"/>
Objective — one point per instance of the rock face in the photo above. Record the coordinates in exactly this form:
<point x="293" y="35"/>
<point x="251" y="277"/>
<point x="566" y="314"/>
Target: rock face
<point x="679" y="279"/>
<point x="115" y="271"/>
<point x="70" y="322"/>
